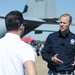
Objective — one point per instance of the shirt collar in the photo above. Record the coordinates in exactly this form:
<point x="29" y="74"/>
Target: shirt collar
<point x="60" y="35"/>
<point x="12" y="35"/>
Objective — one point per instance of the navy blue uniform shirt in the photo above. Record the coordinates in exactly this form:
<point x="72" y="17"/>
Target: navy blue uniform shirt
<point x="63" y="46"/>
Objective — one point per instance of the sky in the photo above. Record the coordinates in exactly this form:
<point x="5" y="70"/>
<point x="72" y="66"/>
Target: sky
<point x="62" y="6"/>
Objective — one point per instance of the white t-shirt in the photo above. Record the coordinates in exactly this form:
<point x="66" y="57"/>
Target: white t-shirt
<point x="13" y="53"/>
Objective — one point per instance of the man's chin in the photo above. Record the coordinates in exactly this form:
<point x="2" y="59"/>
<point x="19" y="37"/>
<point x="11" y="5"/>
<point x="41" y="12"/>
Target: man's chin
<point x="62" y="30"/>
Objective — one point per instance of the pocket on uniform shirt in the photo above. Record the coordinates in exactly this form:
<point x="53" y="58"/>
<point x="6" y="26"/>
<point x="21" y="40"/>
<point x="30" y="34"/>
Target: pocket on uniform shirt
<point x="70" y="49"/>
<point x="54" y="49"/>
<point x="70" y="46"/>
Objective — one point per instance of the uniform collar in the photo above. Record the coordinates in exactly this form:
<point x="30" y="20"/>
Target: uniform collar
<point x="60" y="35"/>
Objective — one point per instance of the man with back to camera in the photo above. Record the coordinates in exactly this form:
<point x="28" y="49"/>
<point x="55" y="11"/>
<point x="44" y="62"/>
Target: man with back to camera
<point x="59" y="49"/>
<point x="16" y="56"/>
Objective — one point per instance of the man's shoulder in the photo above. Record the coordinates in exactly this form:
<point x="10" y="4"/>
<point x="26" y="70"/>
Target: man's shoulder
<point x="25" y="44"/>
<point x="53" y="34"/>
<point x="72" y="34"/>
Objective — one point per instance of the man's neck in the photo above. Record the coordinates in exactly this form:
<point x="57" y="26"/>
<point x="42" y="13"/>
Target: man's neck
<point x="64" y="32"/>
<point x="14" y="32"/>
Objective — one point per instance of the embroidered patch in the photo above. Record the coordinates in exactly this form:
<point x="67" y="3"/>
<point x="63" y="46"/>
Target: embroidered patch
<point x="72" y="41"/>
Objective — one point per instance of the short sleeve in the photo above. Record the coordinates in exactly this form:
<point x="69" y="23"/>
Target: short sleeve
<point x="28" y="54"/>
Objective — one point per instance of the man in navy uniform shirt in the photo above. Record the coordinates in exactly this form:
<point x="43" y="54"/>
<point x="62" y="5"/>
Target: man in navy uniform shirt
<point x="59" y="48"/>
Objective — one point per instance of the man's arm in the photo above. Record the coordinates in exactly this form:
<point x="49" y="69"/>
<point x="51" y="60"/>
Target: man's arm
<point x="30" y="67"/>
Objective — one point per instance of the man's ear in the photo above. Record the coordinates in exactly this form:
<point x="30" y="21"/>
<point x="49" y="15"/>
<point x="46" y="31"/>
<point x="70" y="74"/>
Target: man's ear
<point x="70" y="24"/>
<point x="21" y="27"/>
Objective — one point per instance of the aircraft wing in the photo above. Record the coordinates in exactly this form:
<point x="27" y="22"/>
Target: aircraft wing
<point x="32" y="24"/>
